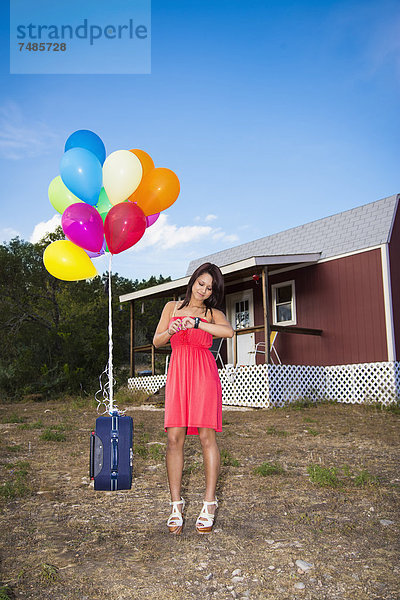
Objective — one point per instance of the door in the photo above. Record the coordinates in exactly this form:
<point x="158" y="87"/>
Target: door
<point x="240" y="314"/>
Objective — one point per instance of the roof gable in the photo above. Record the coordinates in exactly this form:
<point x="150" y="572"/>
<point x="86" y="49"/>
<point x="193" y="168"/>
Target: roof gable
<point x="362" y="227"/>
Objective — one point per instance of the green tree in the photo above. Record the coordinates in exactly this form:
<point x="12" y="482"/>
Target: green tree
<point x="54" y="334"/>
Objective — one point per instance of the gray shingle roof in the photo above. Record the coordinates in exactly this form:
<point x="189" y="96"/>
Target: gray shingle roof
<point x="362" y="227"/>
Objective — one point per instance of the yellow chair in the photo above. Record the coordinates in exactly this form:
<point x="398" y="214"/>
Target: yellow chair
<point x="272" y="348"/>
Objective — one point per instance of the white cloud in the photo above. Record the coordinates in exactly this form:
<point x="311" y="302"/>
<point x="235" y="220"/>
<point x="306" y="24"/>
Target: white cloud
<point x="44" y="227"/>
<point x="165" y="235"/>
<point x="8" y="233"/>
<point x="207" y="218"/>
<point x="21" y="137"/>
<point x="221" y="235"/>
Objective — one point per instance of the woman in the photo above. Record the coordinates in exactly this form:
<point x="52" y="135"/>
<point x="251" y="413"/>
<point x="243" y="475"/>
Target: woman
<point x="193" y="397"/>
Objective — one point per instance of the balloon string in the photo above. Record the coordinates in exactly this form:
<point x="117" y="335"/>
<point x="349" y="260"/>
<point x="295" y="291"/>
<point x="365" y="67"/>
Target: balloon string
<point x="110" y="342"/>
<point x="105" y="395"/>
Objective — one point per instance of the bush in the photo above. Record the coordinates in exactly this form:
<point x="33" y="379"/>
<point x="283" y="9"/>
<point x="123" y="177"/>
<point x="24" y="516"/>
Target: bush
<point x="267" y="468"/>
<point x="227" y="459"/>
<point x="49" y="435"/>
<point x="323" y="476"/>
<point x="16" y="486"/>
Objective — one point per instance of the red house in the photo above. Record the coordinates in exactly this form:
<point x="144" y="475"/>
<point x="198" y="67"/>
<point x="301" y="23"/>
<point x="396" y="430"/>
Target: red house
<point x="329" y="290"/>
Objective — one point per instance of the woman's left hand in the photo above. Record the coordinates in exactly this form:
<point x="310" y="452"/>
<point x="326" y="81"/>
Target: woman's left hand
<point x="187" y="323"/>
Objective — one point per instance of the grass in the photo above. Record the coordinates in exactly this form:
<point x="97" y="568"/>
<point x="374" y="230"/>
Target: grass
<point x="347" y="471"/>
<point x="6" y="593"/>
<point x="127" y="397"/>
<point x="309" y="402"/>
<point x="328" y="476"/>
<point x="195" y="466"/>
<point x="152" y="451"/>
<point x="278" y="432"/>
<point x="16" y="486"/>
<point x="14" y="448"/>
<point x="13" y="418"/>
<point x="313" y="432"/>
<point x="364" y="478"/>
<point x="49" y="435"/>
<point x="140" y="450"/>
<point x="37" y="425"/>
<point x="155" y="452"/>
<point x="302" y="403"/>
<point x="48" y="573"/>
<point x="227" y="460"/>
<point x="392" y="407"/>
<point x="323" y="476"/>
<point x="267" y="468"/>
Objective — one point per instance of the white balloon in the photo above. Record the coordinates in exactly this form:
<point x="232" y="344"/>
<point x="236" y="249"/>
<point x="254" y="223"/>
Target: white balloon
<point x="122" y="173"/>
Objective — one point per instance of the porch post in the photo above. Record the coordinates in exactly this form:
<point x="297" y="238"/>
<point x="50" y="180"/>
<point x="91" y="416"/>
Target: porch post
<point x="267" y="329"/>
<point x="132" y="341"/>
<point x="153" y="360"/>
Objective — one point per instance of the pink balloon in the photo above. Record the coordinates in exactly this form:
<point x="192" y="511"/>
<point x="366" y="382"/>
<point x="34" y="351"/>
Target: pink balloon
<point x="99" y="253"/>
<point x="150" y="219"/>
<point x="83" y="225"/>
<point x="124" y="226"/>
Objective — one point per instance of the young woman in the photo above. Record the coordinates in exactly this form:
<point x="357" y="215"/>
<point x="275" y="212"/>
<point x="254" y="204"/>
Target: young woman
<point x="193" y="398"/>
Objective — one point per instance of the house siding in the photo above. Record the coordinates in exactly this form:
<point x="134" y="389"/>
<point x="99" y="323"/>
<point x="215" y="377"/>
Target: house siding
<point x="394" y="258"/>
<point x="344" y="298"/>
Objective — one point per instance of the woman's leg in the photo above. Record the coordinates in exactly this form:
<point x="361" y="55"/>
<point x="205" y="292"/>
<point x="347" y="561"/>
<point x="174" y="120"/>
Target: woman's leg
<point x="174" y="460"/>
<point x="212" y="461"/>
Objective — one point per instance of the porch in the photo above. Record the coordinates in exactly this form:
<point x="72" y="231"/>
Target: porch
<point x="243" y="275"/>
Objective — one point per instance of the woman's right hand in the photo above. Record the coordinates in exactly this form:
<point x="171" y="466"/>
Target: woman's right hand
<point x="174" y="327"/>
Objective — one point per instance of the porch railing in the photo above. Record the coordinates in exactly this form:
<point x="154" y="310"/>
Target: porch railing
<point x="151" y="349"/>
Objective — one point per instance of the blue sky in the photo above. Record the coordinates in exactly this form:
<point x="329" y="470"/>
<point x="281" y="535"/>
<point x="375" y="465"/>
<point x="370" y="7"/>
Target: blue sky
<point x="271" y="113"/>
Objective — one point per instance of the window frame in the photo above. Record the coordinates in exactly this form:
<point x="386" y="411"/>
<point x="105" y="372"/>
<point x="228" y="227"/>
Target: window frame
<point x="276" y="286"/>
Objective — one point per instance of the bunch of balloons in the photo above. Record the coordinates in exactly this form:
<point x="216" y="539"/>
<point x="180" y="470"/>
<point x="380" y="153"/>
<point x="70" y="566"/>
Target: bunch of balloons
<point x="106" y="203"/>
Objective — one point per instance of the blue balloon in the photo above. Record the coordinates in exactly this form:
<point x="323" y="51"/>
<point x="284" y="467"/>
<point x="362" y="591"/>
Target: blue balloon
<point x="81" y="172"/>
<point x="84" y="138"/>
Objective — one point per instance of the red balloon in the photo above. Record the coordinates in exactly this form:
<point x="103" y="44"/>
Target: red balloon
<point x="124" y="226"/>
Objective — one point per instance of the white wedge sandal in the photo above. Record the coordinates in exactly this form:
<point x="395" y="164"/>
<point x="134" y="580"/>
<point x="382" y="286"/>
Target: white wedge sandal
<point x="205" y="520"/>
<point x="175" y="521"/>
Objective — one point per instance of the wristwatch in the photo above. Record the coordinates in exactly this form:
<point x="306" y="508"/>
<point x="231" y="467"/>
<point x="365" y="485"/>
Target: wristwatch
<point x="196" y="322"/>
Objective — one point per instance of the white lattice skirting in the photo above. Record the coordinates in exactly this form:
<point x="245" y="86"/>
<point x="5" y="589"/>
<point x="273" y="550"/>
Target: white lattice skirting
<point x="266" y="386"/>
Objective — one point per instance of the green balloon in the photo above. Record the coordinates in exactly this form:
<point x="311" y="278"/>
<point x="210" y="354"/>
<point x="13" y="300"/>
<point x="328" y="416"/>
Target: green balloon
<point x="60" y="196"/>
<point x="103" y="216"/>
<point x="103" y="203"/>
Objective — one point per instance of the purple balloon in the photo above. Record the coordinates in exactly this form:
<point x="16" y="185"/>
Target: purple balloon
<point x="99" y="253"/>
<point x="83" y="226"/>
<point x="151" y="219"/>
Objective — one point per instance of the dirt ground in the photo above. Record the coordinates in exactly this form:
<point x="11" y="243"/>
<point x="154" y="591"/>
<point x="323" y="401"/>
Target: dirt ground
<point x="63" y="540"/>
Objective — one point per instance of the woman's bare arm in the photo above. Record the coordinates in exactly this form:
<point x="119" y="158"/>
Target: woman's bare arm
<point x="220" y="327"/>
<point x="164" y="333"/>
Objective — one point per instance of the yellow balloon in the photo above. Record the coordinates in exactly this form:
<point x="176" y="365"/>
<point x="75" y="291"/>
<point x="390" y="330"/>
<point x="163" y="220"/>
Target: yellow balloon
<point x="122" y="173"/>
<point x="66" y="261"/>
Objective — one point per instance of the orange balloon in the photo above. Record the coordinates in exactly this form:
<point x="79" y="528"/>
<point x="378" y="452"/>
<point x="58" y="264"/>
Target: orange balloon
<point x="157" y="191"/>
<point x="145" y="159"/>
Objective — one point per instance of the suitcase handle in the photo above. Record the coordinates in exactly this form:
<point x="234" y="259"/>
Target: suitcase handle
<point x="114" y="454"/>
<point x="91" y="465"/>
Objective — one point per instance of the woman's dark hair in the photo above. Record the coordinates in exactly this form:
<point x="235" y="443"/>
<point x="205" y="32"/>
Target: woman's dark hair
<point x="217" y="295"/>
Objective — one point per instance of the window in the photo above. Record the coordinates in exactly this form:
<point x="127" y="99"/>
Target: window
<point x="242" y="314"/>
<point x="283" y="303"/>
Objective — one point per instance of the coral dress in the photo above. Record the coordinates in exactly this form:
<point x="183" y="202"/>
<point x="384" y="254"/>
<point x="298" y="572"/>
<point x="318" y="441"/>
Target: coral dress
<point x="193" y="395"/>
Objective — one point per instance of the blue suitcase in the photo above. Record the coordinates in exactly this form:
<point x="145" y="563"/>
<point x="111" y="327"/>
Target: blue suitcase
<point x="111" y="453"/>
